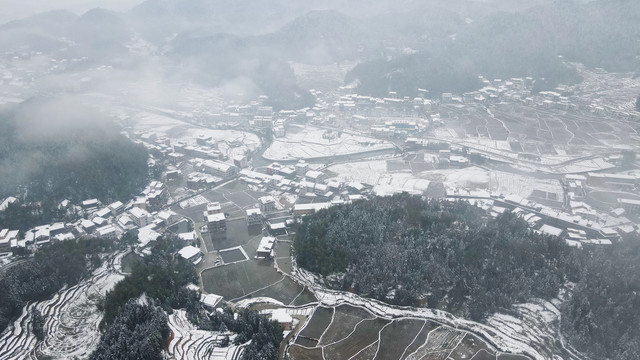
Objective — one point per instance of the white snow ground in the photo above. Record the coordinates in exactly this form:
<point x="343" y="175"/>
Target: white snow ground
<point x="308" y="143"/>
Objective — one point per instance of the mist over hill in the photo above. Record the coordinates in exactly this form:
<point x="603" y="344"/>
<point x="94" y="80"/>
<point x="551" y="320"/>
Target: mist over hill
<point x="535" y="43"/>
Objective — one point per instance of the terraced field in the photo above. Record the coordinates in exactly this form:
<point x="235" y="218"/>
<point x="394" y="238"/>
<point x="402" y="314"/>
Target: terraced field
<point x="191" y="343"/>
<point x="350" y="332"/>
<point x="71" y="320"/>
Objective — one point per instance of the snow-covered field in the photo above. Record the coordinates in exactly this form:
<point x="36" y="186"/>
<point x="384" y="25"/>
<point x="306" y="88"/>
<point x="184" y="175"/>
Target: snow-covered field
<point x="367" y="172"/>
<point x="308" y="143"/>
<point x="190" y="343"/>
<point x="386" y="182"/>
<point x="181" y="131"/>
<point x="389" y="184"/>
<point x="71" y="327"/>
<point x="508" y="183"/>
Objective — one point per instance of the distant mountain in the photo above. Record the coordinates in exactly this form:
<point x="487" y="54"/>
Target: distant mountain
<point x="319" y="37"/>
<point x="53" y="22"/>
<point x="161" y="19"/>
<point x="42" y="32"/>
<point x="516" y="44"/>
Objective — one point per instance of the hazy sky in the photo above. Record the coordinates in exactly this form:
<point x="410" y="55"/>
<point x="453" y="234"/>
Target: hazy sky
<point x="15" y="9"/>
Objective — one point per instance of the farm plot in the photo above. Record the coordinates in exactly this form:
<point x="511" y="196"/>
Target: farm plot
<point x="468" y="348"/>
<point x="397" y="336"/>
<point x="233" y="255"/>
<point x="344" y="323"/>
<point x="366" y="172"/>
<point x="483" y="355"/>
<point x="239" y="279"/>
<point x="237" y="234"/>
<point x="284" y="264"/>
<point x="512" y="357"/>
<point x="420" y="338"/>
<point x="303" y="298"/>
<point x="348" y="332"/>
<point x="285" y="291"/>
<point x="441" y="339"/>
<point x="300" y="353"/>
<point x="367" y="353"/>
<point x="366" y="333"/>
<point x="318" y="324"/>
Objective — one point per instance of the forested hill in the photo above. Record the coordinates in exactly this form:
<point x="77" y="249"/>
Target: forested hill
<point x="407" y="251"/>
<point x="515" y="44"/>
<point x="448" y="255"/>
<point x="52" y="150"/>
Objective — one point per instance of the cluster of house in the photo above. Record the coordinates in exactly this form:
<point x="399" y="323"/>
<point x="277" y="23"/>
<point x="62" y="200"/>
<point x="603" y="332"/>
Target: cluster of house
<point x="111" y="221"/>
<point x="311" y="187"/>
<point x="576" y="229"/>
<point x="390" y="106"/>
<point x="211" y="164"/>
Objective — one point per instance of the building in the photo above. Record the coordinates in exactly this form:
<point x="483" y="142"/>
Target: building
<point x="90" y="204"/>
<point x="629" y="205"/>
<point x="8" y="239"/>
<point x="116" y="208"/>
<point x="254" y="217"/>
<point x="140" y="202"/>
<point x="240" y="161"/>
<point x="315" y="176"/>
<point x="550" y="230"/>
<point x="214" y="208"/>
<point x="210" y="301"/>
<point x="108" y="232"/>
<point x="191" y="253"/>
<point x="140" y="217"/>
<point x="283" y="318"/>
<point x="305" y="209"/>
<point x="267" y="204"/>
<point x="216" y="222"/>
<point x="265" y="248"/>
<point x="168" y="217"/>
<point x="220" y="169"/>
<point x="279" y="228"/>
<point x="616" y="181"/>
<point x="8" y="201"/>
<point x="156" y="194"/>
<point x="302" y="167"/>
<point x="88" y="226"/>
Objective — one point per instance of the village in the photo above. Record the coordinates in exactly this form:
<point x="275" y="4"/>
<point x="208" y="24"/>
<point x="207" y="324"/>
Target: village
<point x="236" y="182"/>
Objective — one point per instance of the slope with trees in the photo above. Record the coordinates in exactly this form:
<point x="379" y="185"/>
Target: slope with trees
<point x="54" y="149"/>
<point x="408" y="251"/>
<point x="161" y="276"/>
<point x="138" y="332"/>
<point x="534" y="43"/>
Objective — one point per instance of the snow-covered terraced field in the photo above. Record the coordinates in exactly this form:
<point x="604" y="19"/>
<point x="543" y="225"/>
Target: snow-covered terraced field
<point x="71" y="320"/>
<point x="501" y="333"/>
<point x="190" y="343"/>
